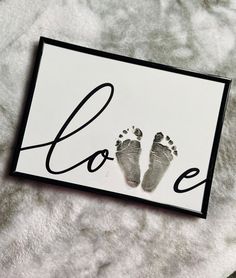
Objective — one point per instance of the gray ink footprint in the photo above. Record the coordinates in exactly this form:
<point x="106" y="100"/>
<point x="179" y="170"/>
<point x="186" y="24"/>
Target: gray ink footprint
<point x="128" y="153"/>
<point x="160" y="158"/>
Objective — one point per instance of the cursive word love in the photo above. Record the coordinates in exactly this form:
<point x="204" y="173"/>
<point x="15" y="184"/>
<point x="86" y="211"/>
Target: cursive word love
<point x="104" y="153"/>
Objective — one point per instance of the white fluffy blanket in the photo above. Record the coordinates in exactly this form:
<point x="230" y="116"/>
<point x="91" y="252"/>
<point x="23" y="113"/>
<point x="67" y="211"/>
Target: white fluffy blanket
<point x="47" y="231"/>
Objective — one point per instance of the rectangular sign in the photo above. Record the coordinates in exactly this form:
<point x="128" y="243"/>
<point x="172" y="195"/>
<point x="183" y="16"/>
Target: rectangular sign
<point x="121" y="126"/>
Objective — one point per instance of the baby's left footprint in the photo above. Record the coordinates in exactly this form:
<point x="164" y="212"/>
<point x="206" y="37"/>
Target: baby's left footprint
<point x="128" y="153"/>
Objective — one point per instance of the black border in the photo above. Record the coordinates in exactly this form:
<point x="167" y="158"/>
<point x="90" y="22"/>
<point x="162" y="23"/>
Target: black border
<point x="226" y="81"/>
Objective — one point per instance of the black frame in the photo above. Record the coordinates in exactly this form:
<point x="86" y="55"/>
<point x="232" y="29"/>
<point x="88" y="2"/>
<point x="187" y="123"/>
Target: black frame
<point x="206" y="195"/>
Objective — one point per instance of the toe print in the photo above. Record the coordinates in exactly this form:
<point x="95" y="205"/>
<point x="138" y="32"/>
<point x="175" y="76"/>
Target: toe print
<point x="161" y="155"/>
<point x="138" y="133"/>
<point x="128" y="153"/>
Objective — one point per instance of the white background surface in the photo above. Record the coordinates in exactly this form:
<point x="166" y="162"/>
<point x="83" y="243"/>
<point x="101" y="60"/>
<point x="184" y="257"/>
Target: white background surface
<point x="183" y="107"/>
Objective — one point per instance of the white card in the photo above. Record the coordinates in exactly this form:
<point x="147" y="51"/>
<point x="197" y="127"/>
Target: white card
<point x="130" y="128"/>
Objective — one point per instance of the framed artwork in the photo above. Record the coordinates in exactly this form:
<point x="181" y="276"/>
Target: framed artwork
<point x="121" y="126"/>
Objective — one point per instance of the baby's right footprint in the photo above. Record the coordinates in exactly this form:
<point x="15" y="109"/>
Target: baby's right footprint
<point x="161" y="155"/>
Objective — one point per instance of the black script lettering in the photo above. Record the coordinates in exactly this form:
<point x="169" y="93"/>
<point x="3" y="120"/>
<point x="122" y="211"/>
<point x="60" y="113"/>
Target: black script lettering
<point x="59" y="137"/>
<point x="190" y="173"/>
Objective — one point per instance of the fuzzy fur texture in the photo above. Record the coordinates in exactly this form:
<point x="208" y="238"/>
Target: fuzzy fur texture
<point x="47" y="231"/>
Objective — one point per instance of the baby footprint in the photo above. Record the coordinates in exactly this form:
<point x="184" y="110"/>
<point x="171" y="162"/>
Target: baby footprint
<point x="160" y="158"/>
<point x="128" y="153"/>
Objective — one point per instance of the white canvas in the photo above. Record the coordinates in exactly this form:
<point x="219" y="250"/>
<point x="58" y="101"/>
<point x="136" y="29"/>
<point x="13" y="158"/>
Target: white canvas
<point x="185" y="108"/>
